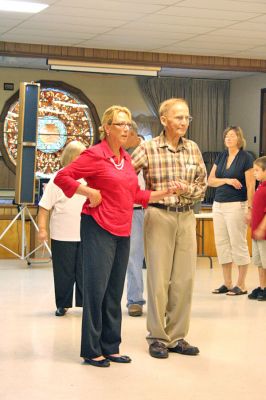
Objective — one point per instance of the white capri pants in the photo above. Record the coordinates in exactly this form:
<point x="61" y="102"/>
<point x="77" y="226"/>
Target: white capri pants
<point x="230" y="232"/>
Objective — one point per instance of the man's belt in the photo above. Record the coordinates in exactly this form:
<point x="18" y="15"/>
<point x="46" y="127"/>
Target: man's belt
<point x="138" y="208"/>
<point x="178" y="209"/>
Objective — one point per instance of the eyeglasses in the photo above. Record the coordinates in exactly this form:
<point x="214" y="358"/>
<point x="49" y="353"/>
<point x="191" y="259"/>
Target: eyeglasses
<point x="122" y="124"/>
<point x="187" y="118"/>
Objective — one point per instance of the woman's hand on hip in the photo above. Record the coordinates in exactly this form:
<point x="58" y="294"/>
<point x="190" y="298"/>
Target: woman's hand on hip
<point x="95" y="197"/>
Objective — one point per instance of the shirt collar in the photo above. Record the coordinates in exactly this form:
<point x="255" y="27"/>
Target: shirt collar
<point x="163" y="142"/>
<point x="108" y="153"/>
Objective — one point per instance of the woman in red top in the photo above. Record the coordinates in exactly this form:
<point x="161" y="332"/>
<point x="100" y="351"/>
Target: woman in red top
<point x="112" y="189"/>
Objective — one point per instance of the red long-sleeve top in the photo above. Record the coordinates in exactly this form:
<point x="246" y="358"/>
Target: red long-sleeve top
<point x="119" y="187"/>
<point x="259" y="207"/>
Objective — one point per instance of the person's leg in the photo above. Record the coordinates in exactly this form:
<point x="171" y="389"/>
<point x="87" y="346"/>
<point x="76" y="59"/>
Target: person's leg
<point x="111" y="307"/>
<point x="222" y="244"/>
<point x="262" y="277"/>
<point x="135" y="261"/>
<point x="237" y="229"/>
<point x="256" y="260"/>
<point x="262" y="294"/>
<point x="182" y="279"/>
<point x="262" y="270"/>
<point x="99" y="249"/>
<point x="63" y="255"/>
<point x="159" y="242"/>
<point x="227" y="274"/>
<point x="242" y="273"/>
<point x="78" y="275"/>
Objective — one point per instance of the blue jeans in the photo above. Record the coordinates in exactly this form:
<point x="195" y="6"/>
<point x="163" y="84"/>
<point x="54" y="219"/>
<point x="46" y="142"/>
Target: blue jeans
<point x="135" y="262"/>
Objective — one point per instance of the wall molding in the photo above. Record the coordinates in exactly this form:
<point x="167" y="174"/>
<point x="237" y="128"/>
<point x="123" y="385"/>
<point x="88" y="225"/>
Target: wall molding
<point x="132" y="57"/>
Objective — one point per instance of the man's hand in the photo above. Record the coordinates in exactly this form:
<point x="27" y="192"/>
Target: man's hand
<point x="259" y="233"/>
<point x="177" y="187"/>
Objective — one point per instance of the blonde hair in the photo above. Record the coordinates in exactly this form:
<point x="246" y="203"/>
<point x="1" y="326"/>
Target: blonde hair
<point x="71" y="151"/>
<point x="241" y="142"/>
<point x="166" y="105"/>
<point x="108" y="117"/>
<point x="261" y="162"/>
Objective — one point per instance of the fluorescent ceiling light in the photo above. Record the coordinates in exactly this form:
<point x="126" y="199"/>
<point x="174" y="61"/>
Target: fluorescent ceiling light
<point x="103" y="68"/>
<point x="22" y="6"/>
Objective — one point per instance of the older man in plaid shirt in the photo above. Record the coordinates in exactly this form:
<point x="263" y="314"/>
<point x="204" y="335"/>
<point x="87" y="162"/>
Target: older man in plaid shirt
<point x="169" y="229"/>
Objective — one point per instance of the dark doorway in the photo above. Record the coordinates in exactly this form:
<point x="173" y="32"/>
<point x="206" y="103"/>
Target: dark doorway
<point x="262" y="149"/>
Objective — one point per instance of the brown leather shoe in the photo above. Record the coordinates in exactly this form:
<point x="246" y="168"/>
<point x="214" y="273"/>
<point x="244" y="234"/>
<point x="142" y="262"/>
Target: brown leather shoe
<point x="184" y="348"/>
<point x="135" y="310"/>
<point x="158" y="350"/>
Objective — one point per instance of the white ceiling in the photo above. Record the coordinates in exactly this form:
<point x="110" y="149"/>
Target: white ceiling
<point x="231" y="28"/>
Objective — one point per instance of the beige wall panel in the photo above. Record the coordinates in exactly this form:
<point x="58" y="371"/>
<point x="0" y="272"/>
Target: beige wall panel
<point x="102" y="90"/>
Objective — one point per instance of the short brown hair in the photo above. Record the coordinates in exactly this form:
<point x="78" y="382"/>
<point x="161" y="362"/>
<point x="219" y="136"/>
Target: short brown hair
<point x="109" y="115"/>
<point x="241" y="141"/>
<point x="261" y="162"/>
<point x="71" y="151"/>
<point x="167" y="104"/>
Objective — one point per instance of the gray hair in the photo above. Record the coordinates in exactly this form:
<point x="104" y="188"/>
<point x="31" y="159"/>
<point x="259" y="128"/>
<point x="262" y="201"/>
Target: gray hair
<point x="71" y="151"/>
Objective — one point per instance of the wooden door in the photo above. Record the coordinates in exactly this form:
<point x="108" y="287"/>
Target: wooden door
<point x="262" y="149"/>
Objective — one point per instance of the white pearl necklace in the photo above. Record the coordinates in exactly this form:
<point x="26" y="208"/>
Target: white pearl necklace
<point x="120" y="165"/>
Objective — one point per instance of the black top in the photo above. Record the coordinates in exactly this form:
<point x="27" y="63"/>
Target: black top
<point x="241" y="163"/>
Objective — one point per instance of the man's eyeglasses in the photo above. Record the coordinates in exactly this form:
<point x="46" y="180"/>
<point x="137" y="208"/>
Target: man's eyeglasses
<point x="187" y="118"/>
<point x="122" y="124"/>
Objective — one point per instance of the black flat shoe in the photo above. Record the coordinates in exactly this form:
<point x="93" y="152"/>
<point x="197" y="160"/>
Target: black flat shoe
<point x="119" y="359"/>
<point x="97" y="363"/>
<point x="60" y="312"/>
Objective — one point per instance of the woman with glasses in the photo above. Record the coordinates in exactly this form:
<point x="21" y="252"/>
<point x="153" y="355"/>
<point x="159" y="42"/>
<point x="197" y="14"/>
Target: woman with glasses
<point x="232" y="176"/>
<point x="112" y="189"/>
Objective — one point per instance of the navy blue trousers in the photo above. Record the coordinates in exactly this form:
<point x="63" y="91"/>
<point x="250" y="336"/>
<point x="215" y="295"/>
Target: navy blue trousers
<point x="105" y="258"/>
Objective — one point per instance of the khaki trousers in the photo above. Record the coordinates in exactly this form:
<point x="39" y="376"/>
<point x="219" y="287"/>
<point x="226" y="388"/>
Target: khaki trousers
<point x="170" y="253"/>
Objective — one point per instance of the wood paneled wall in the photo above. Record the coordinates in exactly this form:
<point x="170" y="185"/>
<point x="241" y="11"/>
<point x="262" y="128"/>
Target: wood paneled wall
<point x="209" y="245"/>
<point x="132" y="57"/>
<point x="12" y="238"/>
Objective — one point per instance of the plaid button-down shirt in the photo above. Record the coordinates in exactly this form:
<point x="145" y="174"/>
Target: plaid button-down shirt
<point x="161" y="164"/>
